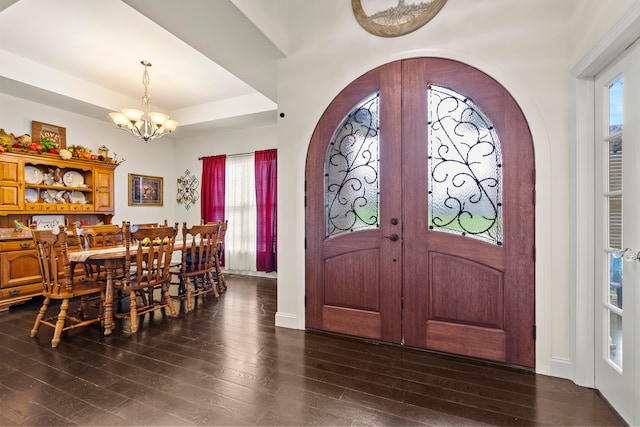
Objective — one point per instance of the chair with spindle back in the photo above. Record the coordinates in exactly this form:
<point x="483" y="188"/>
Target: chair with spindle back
<point x="75" y="242"/>
<point x="155" y="247"/>
<point x="135" y="226"/>
<point x="101" y="237"/>
<point x="58" y="283"/>
<point x="195" y="272"/>
<point x="222" y="284"/>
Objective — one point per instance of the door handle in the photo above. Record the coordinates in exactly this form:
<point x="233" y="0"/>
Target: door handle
<point x="394" y="237"/>
<point x="626" y="254"/>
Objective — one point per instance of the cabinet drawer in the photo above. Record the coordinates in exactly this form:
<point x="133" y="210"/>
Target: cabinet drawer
<point x="76" y="207"/>
<point x="16" y="245"/>
<point x="62" y="207"/>
<point x="21" y="291"/>
<point x="48" y="207"/>
<point x="33" y="207"/>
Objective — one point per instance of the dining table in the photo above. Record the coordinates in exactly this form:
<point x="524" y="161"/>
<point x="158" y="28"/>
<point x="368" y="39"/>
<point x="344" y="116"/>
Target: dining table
<point x="111" y="259"/>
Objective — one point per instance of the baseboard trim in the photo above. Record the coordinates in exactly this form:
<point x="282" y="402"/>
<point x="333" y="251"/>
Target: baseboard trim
<point x="562" y="368"/>
<point x="287" y="320"/>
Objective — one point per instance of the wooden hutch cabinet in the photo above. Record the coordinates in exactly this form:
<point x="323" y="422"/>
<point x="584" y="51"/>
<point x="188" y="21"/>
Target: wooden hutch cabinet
<point x="11" y="177"/>
<point x="83" y="191"/>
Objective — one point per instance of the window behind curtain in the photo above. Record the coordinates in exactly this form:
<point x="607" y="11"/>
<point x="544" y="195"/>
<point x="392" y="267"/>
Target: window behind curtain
<point x="240" y="206"/>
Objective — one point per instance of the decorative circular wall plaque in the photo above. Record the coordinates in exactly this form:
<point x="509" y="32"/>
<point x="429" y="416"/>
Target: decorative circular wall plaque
<point x="392" y="21"/>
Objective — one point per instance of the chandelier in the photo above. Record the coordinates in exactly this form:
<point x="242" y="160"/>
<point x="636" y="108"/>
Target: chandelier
<point x="143" y="124"/>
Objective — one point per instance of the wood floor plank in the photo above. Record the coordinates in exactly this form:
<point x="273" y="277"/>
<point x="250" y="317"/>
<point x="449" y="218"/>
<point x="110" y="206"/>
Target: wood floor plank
<point x="226" y="363"/>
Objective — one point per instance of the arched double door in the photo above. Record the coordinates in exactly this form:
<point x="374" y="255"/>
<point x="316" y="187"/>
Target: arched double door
<point x="420" y="213"/>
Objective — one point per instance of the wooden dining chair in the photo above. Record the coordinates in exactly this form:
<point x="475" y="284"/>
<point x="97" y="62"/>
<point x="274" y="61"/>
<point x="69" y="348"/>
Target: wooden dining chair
<point x="195" y="271"/>
<point x="134" y="227"/>
<point x="219" y="254"/>
<point x="151" y="285"/>
<point x="149" y="224"/>
<point x="100" y="237"/>
<point x="76" y="243"/>
<point x="59" y="284"/>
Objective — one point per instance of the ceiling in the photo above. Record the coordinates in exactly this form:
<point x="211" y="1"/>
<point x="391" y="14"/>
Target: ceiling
<point x="213" y="66"/>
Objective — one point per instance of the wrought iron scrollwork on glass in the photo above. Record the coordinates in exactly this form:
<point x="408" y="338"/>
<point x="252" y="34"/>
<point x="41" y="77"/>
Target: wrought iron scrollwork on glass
<point x="351" y="171"/>
<point x="465" y="168"/>
<point x="187" y="189"/>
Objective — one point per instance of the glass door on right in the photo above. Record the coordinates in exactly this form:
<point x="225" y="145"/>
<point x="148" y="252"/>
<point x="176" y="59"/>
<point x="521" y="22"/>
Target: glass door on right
<point x="617" y="242"/>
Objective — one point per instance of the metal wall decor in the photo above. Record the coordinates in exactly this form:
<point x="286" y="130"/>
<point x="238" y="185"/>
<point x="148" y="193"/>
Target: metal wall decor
<point x="351" y="171"/>
<point x="187" y="189"/>
<point x="401" y="19"/>
<point x="465" y="168"/>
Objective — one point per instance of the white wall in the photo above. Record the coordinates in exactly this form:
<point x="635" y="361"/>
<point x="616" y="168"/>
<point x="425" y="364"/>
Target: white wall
<point x="154" y="158"/>
<point x="590" y="20"/>
<point x="524" y="44"/>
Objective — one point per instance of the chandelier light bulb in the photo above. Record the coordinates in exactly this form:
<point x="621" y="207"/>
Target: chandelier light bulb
<point x="132" y="115"/>
<point x="118" y="118"/>
<point x="159" y="118"/>
<point x="170" y="125"/>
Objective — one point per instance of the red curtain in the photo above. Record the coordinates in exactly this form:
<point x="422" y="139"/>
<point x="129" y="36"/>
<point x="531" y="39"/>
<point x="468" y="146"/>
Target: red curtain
<point x="213" y="185"/>
<point x="266" y="203"/>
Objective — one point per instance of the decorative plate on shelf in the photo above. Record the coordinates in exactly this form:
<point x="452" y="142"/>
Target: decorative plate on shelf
<point x="77" y="197"/>
<point x="31" y="195"/>
<point x="73" y="179"/>
<point x="32" y="175"/>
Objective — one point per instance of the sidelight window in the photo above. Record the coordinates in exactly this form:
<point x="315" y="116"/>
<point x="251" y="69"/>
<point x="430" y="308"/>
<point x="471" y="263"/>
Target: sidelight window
<point x="612" y="145"/>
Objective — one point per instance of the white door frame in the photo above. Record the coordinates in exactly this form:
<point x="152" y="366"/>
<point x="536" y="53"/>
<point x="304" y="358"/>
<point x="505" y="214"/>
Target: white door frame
<point x="582" y="178"/>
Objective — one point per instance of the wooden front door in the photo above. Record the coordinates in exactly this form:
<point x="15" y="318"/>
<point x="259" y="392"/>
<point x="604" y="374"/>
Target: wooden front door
<point x="420" y="213"/>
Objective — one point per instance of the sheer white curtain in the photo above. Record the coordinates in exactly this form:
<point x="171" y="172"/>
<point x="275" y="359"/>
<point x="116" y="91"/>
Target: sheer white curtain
<point x="240" y="206"/>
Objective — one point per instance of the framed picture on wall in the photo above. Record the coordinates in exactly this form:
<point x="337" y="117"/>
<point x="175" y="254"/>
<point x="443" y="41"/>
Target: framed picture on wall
<point x="145" y="190"/>
<point x="55" y="133"/>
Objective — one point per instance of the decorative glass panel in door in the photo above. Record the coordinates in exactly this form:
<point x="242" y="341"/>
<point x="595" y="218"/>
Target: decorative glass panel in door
<point x="465" y="176"/>
<point x="351" y="171"/>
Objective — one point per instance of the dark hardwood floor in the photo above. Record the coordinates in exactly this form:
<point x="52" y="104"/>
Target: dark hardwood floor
<point x="225" y="363"/>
